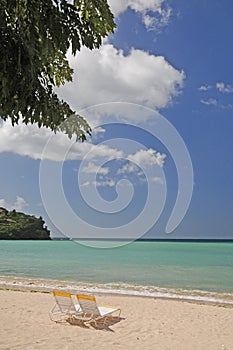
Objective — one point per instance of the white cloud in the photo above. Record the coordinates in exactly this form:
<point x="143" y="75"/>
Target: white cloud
<point x="158" y="21"/>
<point x="120" y="6"/>
<point x="128" y="168"/>
<point x="24" y="140"/>
<point x="224" y="88"/>
<point x="142" y="158"/>
<point x="109" y="183"/>
<point x="85" y="184"/>
<point x="19" y="204"/>
<point x="2" y="202"/>
<point x="103" y="183"/>
<point x="157" y="180"/>
<point x="119" y="112"/>
<point x="29" y="140"/>
<point x="97" y="132"/>
<point x="220" y="86"/>
<point x="210" y="102"/>
<point x="205" y="87"/>
<point x="147" y="157"/>
<point x="219" y="103"/>
<point x="101" y="151"/>
<point x="155" y="13"/>
<point x="107" y="75"/>
<point x="214" y="102"/>
<point x="92" y="168"/>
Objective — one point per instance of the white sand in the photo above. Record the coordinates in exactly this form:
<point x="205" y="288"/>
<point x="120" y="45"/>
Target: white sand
<point x="146" y="323"/>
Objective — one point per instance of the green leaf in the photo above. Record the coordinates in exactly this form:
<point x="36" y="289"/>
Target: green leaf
<point x="35" y="37"/>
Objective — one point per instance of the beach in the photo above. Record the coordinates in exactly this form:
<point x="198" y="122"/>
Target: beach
<point x="175" y="296"/>
<point x="145" y="323"/>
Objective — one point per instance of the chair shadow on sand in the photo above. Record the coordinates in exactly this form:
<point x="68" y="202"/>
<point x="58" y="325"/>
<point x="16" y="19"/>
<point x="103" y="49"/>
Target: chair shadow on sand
<point x="101" y="324"/>
<point x="85" y="314"/>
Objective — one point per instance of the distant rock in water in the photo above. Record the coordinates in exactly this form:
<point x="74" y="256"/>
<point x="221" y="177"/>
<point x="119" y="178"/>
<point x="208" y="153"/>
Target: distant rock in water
<point x="15" y="225"/>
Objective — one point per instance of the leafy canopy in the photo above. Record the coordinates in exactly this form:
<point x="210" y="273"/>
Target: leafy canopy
<point x="35" y="36"/>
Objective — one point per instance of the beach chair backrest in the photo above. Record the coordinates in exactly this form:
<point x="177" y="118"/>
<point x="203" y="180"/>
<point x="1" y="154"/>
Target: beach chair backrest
<point x="88" y="304"/>
<point x="64" y="301"/>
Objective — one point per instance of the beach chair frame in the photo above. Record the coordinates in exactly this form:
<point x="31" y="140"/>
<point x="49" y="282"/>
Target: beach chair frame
<point x="64" y="307"/>
<point x="90" y="311"/>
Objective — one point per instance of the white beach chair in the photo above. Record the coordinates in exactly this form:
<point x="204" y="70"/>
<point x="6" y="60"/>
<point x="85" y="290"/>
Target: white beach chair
<point x="64" y="307"/>
<point x="91" y="312"/>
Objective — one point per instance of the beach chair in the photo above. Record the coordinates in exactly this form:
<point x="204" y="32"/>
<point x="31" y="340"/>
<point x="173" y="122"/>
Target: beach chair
<point x="91" y="312"/>
<point x="64" y="307"/>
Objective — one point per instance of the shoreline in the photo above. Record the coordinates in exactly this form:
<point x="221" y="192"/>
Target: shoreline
<point x="116" y="289"/>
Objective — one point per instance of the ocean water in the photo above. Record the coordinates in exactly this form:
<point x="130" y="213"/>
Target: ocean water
<point x="181" y="269"/>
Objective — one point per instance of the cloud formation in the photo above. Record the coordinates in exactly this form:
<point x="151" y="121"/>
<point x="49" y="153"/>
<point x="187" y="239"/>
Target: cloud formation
<point x="220" y="90"/>
<point x="19" y="204"/>
<point x="29" y="140"/>
<point x="155" y="13"/>
<point x="224" y="88"/>
<point x="205" y="87"/>
<point x="147" y="157"/>
<point x="120" y="6"/>
<point x="142" y="158"/>
<point x="109" y="183"/>
<point x="209" y="102"/>
<point x="92" y="168"/>
<point x="108" y="75"/>
<point x="220" y="86"/>
<point x="130" y="164"/>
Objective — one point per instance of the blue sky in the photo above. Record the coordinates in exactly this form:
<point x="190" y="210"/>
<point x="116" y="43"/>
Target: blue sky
<point x="163" y="77"/>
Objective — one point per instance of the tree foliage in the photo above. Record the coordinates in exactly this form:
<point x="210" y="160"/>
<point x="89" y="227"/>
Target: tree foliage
<point x="35" y="36"/>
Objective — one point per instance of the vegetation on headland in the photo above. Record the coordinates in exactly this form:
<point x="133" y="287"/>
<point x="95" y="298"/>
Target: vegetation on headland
<point x="16" y="225"/>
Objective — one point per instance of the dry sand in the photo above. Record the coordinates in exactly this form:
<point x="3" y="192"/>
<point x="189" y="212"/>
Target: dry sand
<point x="146" y="323"/>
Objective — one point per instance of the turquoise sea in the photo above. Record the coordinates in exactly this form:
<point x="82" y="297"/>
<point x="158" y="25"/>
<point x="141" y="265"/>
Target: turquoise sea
<point x="180" y="269"/>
